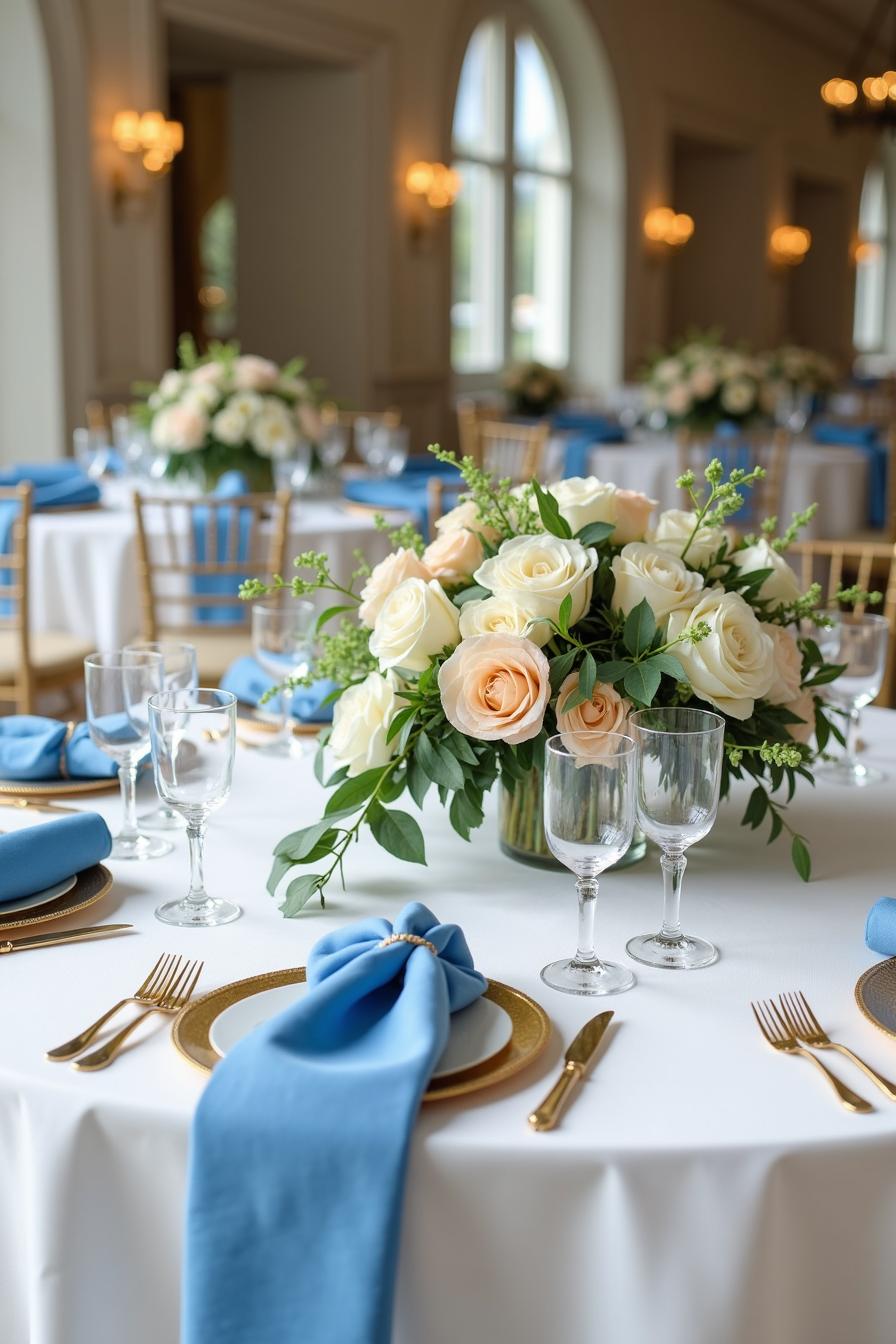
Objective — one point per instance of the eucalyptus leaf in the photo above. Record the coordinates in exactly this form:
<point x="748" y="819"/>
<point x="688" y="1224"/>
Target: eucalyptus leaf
<point x="279" y="868"/>
<point x="438" y="763"/>
<point x="353" y="792"/>
<point x="587" y="676"/>
<point x="613" y="670"/>
<point x="560" y="668"/>
<point x="476" y="593"/>
<point x="418" y="781"/>
<point x="802" y="859"/>
<point x="299" y="893"/>
<point x="592" y="534"/>
<point x="399" y="833"/>
<point x="299" y="843"/>
<point x="330" y="613"/>
<point x="640" y="628"/>
<point x="642" y="681"/>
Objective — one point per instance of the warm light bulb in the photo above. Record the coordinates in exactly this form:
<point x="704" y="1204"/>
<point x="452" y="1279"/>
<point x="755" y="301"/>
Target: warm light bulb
<point x="789" y="244"/>
<point x="419" y="178"/>
<point x="126" y="130"/>
<point x="680" y="229"/>
<point x="152" y="130"/>
<point x="174" y="136"/>
<point x="155" y="161"/>
<point x="875" y="89"/>
<point x="657" y="223"/>
<point x="865" y="252"/>
<point x="846" y="92"/>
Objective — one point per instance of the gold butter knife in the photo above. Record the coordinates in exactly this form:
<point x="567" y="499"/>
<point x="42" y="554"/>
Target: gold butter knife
<point x="578" y="1057"/>
<point x="65" y="936"/>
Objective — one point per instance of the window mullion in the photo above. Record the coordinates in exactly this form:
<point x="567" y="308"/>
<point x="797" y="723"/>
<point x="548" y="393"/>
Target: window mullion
<point x="509" y="96"/>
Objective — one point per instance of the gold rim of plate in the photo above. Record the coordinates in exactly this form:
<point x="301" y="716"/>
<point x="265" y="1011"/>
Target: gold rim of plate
<point x="878" y="979"/>
<point x="56" y="788"/>
<point x="246" y="721"/>
<point x="90" y="886"/>
<point x="191" y="1032"/>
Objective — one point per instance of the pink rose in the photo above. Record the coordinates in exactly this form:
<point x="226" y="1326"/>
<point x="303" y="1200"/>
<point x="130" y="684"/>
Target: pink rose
<point x="633" y="512"/>
<point x="606" y="712"/>
<point x="804" y="708"/>
<point x="251" y="373"/>
<point x="495" y="688"/>
<point x="454" y="555"/>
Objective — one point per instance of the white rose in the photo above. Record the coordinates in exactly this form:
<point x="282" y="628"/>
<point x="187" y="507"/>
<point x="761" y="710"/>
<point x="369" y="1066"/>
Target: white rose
<point x="738" y="396"/>
<point x="171" y="385"/>
<point x="246" y="404"/>
<point x="668" y="370"/>
<point x="229" y="426"/>
<point x="501" y="614"/>
<point x="466" y="515"/>
<point x="415" y="622"/>
<point x="646" y="571"/>
<point x="674" y="529"/>
<point x="540" y="571"/>
<point x="201" y="398"/>
<point x="454" y="556"/>
<point x="788" y="665"/>
<point x="585" y="499"/>
<point x="734" y="666"/>
<point x="254" y="374"/>
<point x="274" y="433"/>
<point x="782" y="585"/>
<point x="385" y="577"/>
<point x="361" y="719"/>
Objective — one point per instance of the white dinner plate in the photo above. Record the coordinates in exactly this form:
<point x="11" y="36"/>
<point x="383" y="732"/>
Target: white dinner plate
<point x="39" y="897"/>
<point x="477" y="1032"/>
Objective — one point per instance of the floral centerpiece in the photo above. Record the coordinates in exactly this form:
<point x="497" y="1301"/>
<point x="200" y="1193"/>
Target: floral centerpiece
<point x="228" y="411"/>
<point x="540" y="610"/>
<point x="533" y="388"/>
<point x="701" y="382"/>
<point x="793" y="368"/>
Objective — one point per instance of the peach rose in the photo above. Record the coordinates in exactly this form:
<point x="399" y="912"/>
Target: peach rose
<point x="788" y="665"/>
<point x="454" y="555"/>
<point x="495" y="688"/>
<point x="804" y="708"/>
<point x="606" y="712"/>
<point x="633" y="510"/>
<point x="384" y="579"/>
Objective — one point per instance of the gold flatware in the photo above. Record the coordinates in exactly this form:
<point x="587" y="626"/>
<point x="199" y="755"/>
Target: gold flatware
<point x="806" y="1027"/>
<point x="69" y="936"/>
<point x="578" y="1058"/>
<point x="780" y="1037"/>
<point x="34" y="805"/>
<point x="148" y="993"/>
<point x="176" y="991"/>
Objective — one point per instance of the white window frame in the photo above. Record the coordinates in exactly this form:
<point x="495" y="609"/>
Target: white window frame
<point x="882" y="239"/>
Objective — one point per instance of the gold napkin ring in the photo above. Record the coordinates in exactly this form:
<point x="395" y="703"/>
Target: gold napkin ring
<point x="63" y="763"/>
<point x="410" y="938"/>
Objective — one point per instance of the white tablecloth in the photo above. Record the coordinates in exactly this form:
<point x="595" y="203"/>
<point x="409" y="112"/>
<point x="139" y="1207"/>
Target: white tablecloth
<point x="701" y="1190"/>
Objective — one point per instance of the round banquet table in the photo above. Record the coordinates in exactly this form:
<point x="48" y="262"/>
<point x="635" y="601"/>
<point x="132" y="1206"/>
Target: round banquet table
<point x="701" y="1189"/>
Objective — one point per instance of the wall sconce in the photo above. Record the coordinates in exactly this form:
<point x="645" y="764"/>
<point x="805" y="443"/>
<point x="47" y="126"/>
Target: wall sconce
<point x="789" y="244"/>
<point x="437" y="185"/>
<point x="865" y="251"/>
<point x="667" y="229"/>
<point x="156" y="139"/>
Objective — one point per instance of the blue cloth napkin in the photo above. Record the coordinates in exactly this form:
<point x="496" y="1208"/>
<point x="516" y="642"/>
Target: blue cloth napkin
<point x="31" y="748"/>
<point x="407" y="491"/>
<point x="880" y="927"/>
<point x="248" y="682"/>
<point x="55" y="484"/>
<point x="865" y="437"/>
<point x="300" y="1142"/>
<point x="829" y="431"/>
<point x="39" y="856"/>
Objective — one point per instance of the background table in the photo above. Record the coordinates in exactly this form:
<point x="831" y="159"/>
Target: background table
<point x="701" y="1190"/>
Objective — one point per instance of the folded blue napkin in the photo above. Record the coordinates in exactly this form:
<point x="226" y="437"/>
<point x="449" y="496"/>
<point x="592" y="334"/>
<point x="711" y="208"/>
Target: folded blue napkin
<point x="829" y="431"/>
<point x="866" y="438"/>
<point x="880" y="927"/>
<point x="300" y="1142"/>
<point x="39" y="856"/>
<point x="248" y="682"/>
<point x="34" y="748"/>
<point x="55" y="484"/>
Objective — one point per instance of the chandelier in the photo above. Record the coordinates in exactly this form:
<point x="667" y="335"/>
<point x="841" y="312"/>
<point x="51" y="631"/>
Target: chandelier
<point x="865" y="99"/>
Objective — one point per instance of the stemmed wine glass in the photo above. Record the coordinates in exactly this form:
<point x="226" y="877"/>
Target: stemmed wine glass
<point x="180" y="672"/>
<point x="282" y="644"/>
<point x="117" y="690"/>
<point x="861" y="643"/>
<point x="680" y="753"/>
<point x="589" y="816"/>
<point x="193" y="736"/>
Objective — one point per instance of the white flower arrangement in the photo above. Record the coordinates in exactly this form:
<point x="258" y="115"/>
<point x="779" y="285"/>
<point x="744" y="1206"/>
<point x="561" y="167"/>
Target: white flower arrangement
<point x="703" y="382"/>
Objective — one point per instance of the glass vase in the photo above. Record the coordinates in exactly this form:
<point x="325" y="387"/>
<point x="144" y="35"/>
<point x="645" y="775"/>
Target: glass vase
<point x="521" y="827"/>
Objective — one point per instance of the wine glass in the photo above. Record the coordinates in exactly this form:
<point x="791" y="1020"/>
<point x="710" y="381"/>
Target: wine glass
<point x="282" y="644"/>
<point x="291" y="473"/>
<point x="91" y="451"/>
<point x="861" y="643"/>
<point x="193" y="735"/>
<point x="117" y="690"/>
<point x="180" y="672"/>
<point x="589" y="816"/>
<point x="679" y="769"/>
<point x="383" y="447"/>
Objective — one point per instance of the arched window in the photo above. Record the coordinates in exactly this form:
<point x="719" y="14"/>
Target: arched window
<point x="871" y="263"/>
<point x="512" y="219"/>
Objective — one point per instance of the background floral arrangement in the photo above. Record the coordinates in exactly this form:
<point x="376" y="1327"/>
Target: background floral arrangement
<point x="535" y="611"/>
<point x="228" y="411"/>
<point x="701" y="382"/>
<point x="533" y="388"/>
<point x="795" y="368"/>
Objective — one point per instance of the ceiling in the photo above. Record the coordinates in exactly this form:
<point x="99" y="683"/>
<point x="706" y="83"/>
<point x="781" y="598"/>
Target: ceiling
<point x="834" y="26"/>
<point x="203" y="52"/>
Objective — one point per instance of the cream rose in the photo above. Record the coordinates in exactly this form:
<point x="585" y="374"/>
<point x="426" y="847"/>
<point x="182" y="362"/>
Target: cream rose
<point x="495" y="688"/>
<point x="674" y="529"/>
<point x="788" y="665"/>
<point x="255" y="374"/>
<point x="646" y="571"/>
<point x="804" y="708"/>
<point x="540" y="571"/>
<point x="179" y="428"/>
<point x="734" y="666"/>
<point x="633" y="512"/>
<point x="466" y="515"/>
<point x="585" y="499"/>
<point x="606" y="712"/>
<point x="361" y="719"/>
<point x="454" y="555"/>
<point x="385" y="577"/>
<point x="501" y="614"/>
<point x="782" y="585"/>
<point x="415" y="622"/>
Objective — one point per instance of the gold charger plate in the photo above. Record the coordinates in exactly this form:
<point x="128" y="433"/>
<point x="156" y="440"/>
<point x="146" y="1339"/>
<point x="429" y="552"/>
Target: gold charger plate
<point x="531" y="1031"/>
<point x="56" y="788"/>
<point x="876" y="995"/>
<point x="256" y="725"/>
<point x="91" y="885"/>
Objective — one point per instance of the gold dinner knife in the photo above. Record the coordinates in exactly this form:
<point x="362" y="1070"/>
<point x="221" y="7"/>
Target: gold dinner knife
<point x="578" y="1057"/>
<point x="64" y="936"/>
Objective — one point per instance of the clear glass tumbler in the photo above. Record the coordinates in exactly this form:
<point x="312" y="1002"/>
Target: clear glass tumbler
<point x="282" y="635"/>
<point x="180" y="672"/>
<point x="861" y="643"/>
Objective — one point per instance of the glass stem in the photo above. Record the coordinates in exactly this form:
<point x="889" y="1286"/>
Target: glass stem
<point x="587" y="890"/>
<point x="197" y="895"/>
<point x="286" y="708"/>
<point x="673" y="866"/>
<point x="852" y="732"/>
<point x="127" y="778"/>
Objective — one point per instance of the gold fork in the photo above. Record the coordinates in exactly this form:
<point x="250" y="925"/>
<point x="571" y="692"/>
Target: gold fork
<point x="148" y="993"/>
<point x="176" y="993"/>
<point x="779" y="1037"/>
<point x="806" y="1027"/>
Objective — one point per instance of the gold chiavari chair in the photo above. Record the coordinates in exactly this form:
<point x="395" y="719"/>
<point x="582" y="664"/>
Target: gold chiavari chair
<point x="30" y="663"/>
<point x="505" y="449"/>
<point x="838" y="564"/>
<point x="192" y="555"/>
<point x="470" y="415"/>
<point x="769" y="450"/>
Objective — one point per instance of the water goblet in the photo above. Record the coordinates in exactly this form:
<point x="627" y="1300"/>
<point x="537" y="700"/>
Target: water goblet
<point x="589" y="816"/>
<point x="117" y="690"/>
<point x="861" y="643"/>
<point x="679" y="770"/>
<point x="179" y="673"/>
<point x="193" y="735"/>
<point x="281" y="642"/>
<point x="291" y="472"/>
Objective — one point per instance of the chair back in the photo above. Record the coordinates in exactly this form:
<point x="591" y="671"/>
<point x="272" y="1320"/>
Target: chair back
<point x="508" y="450"/>
<point x="15" y="516"/>
<point x="192" y="554"/>
<point x="471" y="414"/>
<point x="768" y="449"/>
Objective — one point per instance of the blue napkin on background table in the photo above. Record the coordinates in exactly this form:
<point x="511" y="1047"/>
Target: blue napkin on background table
<point x="31" y="749"/>
<point x="865" y="437"/>
<point x="300" y="1142"/>
<point x="409" y="490"/>
<point x="248" y="682"/>
<point x="55" y="484"/>
<point x="39" y="856"/>
<point x="880" y="927"/>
